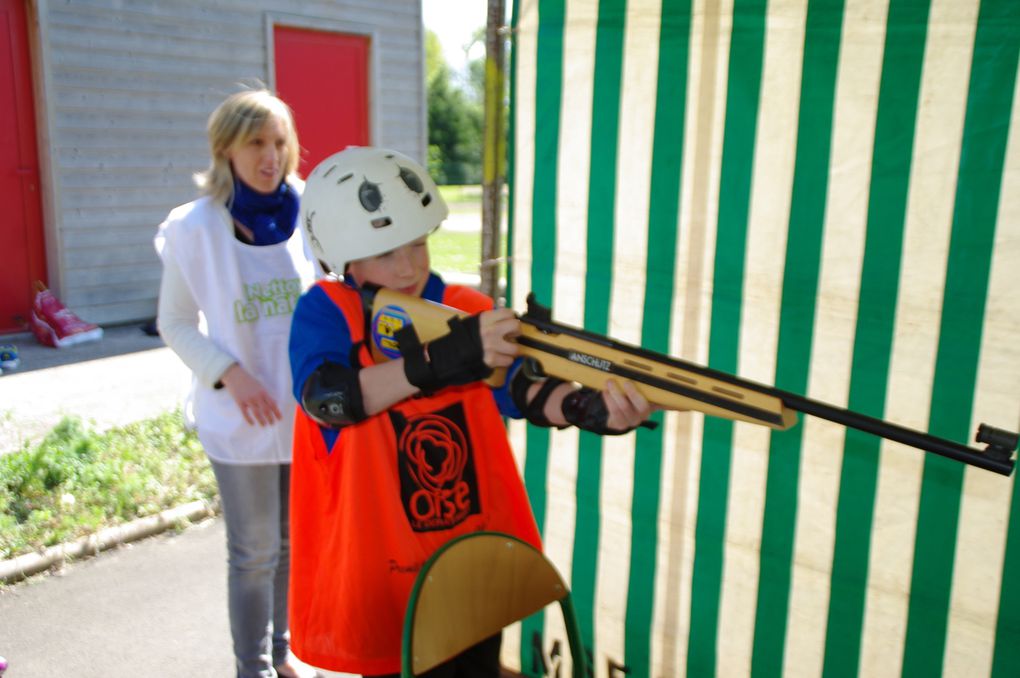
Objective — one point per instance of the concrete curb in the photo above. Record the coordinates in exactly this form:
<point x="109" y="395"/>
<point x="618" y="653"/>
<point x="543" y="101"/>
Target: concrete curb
<point x="26" y="565"/>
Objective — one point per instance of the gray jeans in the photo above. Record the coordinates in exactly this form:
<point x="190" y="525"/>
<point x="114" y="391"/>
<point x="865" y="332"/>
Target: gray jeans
<point x="256" y="503"/>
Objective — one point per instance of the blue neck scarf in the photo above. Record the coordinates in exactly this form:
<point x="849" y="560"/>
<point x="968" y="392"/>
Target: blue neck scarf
<point x="271" y="217"/>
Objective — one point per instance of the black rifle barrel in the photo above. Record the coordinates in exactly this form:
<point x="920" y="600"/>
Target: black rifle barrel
<point x="989" y="460"/>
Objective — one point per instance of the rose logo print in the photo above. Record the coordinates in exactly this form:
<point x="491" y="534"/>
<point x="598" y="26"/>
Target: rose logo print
<point x="437" y="469"/>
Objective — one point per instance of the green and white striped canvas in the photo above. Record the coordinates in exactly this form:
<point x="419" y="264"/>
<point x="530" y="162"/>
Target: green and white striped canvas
<point x="818" y="194"/>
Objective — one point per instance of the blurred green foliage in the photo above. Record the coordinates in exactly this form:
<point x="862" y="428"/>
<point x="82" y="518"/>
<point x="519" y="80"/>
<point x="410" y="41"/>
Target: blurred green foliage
<point x="77" y="481"/>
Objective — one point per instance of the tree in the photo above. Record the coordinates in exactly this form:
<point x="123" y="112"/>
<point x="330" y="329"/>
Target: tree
<point x="455" y="123"/>
<point x="433" y="56"/>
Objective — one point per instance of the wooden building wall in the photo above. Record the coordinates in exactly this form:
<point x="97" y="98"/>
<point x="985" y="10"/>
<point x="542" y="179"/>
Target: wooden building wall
<point x="124" y="89"/>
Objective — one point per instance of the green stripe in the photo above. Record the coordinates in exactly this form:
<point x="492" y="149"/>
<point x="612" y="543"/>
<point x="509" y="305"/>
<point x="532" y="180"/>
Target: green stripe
<point x="598" y="283"/>
<point x="894" y="135"/>
<point x="1006" y="660"/>
<point x="982" y="153"/>
<point x="796" y="328"/>
<point x="548" y="87"/>
<point x="663" y="227"/>
<point x="742" y="101"/>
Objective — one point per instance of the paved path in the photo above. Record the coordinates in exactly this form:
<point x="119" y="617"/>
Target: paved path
<point x="154" y="608"/>
<point x="126" y="376"/>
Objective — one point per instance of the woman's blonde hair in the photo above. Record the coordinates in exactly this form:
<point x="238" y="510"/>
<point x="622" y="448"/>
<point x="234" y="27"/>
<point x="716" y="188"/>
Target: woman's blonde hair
<point x="240" y="117"/>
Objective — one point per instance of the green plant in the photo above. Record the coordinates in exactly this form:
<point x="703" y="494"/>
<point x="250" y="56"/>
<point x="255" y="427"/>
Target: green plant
<point x="76" y="481"/>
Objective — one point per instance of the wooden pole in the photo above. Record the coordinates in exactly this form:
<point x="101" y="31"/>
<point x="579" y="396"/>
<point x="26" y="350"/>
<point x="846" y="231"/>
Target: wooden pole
<point x="494" y="150"/>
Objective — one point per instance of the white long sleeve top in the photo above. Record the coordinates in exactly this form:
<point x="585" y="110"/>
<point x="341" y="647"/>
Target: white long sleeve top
<point x="223" y="301"/>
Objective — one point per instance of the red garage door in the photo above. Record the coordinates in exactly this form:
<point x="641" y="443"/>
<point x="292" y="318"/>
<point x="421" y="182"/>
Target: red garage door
<point x="324" y="77"/>
<point x="22" y="258"/>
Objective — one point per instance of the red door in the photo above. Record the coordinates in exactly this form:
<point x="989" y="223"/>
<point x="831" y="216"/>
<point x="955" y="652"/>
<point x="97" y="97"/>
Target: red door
<point x="22" y="259"/>
<point x="324" y="78"/>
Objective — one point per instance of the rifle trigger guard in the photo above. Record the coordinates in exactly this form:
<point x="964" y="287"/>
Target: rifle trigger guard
<point x="532" y="369"/>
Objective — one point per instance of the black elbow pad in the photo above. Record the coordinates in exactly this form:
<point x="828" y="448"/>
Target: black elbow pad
<point x="332" y="396"/>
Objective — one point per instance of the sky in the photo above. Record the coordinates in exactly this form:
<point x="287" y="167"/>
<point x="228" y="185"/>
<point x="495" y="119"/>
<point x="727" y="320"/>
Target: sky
<point x="454" y="21"/>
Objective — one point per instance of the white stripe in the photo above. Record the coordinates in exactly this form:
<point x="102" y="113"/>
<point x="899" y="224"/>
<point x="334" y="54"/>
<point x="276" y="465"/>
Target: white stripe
<point x="769" y="216"/>
<point x="561" y="514"/>
<point x="699" y="204"/>
<point x="675" y="553"/>
<point x="573" y="175"/>
<point x="984" y="513"/>
<point x="574" y="156"/>
<point x="934" y="168"/>
<point x="525" y="48"/>
<point x="633" y="178"/>
<point x="856" y="102"/>
<point x="634" y="169"/>
<point x="526" y="54"/>
<point x="613" y="556"/>
<point x="510" y="653"/>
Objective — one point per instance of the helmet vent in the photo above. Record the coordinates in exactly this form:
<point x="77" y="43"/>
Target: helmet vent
<point x="370" y="196"/>
<point x="426" y="199"/>
<point x="381" y="222"/>
<point x="411" y="180"/>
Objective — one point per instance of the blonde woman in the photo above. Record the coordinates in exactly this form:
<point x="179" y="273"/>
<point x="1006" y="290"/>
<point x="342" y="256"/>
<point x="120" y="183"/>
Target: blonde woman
<point x="234" y="265"/>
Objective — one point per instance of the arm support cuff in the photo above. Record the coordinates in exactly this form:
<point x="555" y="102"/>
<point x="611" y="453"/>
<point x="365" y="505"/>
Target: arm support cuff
<point x="533" y="410"/>
<point x="452" y="359"/>
<point x="332" y="396"/>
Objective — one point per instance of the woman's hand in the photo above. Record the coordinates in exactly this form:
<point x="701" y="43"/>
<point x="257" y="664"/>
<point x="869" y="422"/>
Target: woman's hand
<point x="498" y="328"/>
<point x="251" y="397"/>
<point x="627" y="408"/>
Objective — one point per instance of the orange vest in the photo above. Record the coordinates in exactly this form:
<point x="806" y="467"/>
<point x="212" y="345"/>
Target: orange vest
<point x="367" y="514"/>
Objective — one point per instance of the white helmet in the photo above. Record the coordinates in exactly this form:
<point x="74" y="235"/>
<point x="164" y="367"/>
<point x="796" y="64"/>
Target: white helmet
<point x="365" y="201"/>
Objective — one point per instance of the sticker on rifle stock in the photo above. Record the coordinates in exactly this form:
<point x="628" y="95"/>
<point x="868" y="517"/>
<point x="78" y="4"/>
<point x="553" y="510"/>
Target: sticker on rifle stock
<point x="591" y="361"/>
<point x="386" y="323"/>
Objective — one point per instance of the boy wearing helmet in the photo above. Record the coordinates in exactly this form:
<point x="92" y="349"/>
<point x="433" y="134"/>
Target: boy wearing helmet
<point x="394" y="459"/>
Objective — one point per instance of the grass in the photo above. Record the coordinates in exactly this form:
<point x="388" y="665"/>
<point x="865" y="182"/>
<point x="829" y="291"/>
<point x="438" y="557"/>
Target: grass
<point x="461" y="195"/>
<point x="466" y="198"/>
<point x="77" y="481"/>
<point x="455" y="251"/>
<point x="459" y="251"/>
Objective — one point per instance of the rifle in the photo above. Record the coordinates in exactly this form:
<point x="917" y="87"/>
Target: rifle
<point x="590" y="359"/>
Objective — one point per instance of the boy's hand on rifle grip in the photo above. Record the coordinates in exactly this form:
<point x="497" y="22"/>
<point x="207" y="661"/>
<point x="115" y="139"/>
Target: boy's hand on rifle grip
<point x="498" y="328"/>
<point x="612" y="411"/>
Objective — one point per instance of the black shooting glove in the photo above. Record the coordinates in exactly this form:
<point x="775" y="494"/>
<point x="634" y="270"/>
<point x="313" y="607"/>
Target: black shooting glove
<point x="453" y="359"/>
<point x="586" y="409"/>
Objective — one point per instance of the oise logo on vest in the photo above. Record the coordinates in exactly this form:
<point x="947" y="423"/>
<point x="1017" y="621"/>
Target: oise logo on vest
<point x="438" y="484"/>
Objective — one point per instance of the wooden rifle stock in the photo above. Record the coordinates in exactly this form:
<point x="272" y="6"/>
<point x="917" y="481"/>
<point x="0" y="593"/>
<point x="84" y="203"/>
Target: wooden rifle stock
<point x="590" y="359"/>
